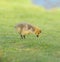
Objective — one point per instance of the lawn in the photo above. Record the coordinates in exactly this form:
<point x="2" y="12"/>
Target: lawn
<point x="46" y="48"/>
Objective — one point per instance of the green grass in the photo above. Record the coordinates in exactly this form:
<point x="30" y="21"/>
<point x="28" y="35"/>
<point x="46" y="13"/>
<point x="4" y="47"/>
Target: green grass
<point x="46" y="48"/>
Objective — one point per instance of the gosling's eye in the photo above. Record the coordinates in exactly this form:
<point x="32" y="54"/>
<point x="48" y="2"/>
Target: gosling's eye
<point x="39" y="33"/>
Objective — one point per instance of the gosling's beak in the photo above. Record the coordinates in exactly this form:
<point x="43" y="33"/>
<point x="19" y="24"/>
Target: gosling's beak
<point x="37" y="35"/>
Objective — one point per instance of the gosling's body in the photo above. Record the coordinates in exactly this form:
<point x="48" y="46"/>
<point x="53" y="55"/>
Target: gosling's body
<point x="26" y="28"/>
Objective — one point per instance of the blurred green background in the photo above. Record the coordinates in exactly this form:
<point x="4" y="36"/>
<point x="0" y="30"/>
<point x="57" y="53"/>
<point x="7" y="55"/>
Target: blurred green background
<point x="46" y="48"/>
